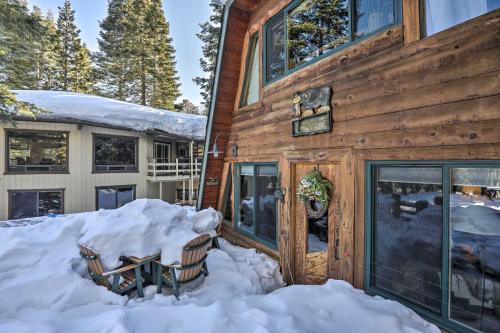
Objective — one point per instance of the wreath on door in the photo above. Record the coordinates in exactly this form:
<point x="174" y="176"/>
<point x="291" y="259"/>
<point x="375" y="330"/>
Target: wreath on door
<point x="314" y="190"/>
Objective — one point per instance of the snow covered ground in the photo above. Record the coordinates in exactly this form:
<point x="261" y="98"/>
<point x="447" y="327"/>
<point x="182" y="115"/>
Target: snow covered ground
<point x="63" y="105"/>
<point x="44" y="285"/>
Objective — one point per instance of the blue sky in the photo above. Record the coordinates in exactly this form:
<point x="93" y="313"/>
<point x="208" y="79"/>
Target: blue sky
<point x="183" y="15"/>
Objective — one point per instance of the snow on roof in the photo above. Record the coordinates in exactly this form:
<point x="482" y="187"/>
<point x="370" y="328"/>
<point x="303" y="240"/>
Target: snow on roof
<point x="69" y="106"/>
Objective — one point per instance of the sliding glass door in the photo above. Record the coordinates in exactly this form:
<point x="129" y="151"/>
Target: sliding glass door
<point x="433" y="240"/>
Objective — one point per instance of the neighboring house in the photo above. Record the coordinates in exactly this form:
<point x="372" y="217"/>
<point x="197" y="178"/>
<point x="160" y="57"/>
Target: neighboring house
<point x="87" y="152"/>
<point x="397" y="104"/>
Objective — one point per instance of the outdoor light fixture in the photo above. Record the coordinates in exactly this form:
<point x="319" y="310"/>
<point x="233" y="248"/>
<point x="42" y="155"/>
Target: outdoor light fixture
<point x="215" y="149"/>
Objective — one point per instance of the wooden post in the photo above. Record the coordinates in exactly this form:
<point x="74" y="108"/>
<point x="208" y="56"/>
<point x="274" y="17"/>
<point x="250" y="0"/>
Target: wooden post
<point x="183" y="189"/>
<point x="154" y="168"/>
<point x="161" y="190"/>
<point x="176" y="168"/>
<point x="411" y="21"/>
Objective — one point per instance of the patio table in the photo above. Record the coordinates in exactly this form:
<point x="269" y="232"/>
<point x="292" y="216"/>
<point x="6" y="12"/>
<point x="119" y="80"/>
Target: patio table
<point x="140" y="270"/>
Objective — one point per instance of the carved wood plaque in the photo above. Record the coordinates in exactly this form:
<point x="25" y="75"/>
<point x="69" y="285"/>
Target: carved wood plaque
<point x="313" y="112"/>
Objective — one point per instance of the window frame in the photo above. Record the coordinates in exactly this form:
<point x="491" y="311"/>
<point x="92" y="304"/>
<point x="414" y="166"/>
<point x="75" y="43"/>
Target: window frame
<point x="132" y="170"/>
<point x="115" y="187"/>
<point x="443" y="319"/>
<point x="7" y="152"/>
<point x="352" y="41"/>
<point x="10" y="192"/>
<point x="253" y="45"/>
<point x="236" y="194"/>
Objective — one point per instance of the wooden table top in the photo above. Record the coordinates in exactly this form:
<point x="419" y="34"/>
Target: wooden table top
<point x="139" y="261"/>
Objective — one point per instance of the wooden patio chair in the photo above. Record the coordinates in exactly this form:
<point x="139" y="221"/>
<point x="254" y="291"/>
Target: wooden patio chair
<point x="215" y="239"/>
<point x="192" y="265"/>
<point x="100" y="277"/>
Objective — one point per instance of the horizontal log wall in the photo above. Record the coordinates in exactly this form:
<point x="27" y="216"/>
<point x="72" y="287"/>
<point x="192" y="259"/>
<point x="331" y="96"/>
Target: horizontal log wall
<point x="434" y="98"/>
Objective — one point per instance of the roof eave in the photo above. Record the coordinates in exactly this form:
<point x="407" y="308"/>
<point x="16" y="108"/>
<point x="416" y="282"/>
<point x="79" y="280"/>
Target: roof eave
<point x="208" y="132"/>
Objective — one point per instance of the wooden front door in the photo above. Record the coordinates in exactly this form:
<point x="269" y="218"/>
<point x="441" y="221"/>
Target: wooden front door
<point x="314" y="237"/>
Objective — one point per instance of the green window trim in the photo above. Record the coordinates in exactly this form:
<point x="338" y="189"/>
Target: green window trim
<point x="352" y="40"/>
<point x="444" y="319"/>
<point x="236" y="195"/>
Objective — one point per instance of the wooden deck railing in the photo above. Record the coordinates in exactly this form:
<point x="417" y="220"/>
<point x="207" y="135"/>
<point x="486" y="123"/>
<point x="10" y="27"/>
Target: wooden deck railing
<point x="179" y="168"/>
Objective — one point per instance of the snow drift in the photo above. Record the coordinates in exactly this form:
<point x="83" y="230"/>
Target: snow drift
<point x="70" y="106"/>
<point x="45" y="286"/>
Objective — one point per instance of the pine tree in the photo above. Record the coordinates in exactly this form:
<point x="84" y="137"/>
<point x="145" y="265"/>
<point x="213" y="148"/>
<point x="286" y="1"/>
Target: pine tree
<point x="136" y="46"/>
<point x="151" y="76"/>
<point x="209" y="35"/>
<point x="187" y="106"/>
<point x="68" y="39"/>
<point x="112" y="58"/>
<point x="83" y="80"/>
<point x="164" y="83"/>
<point x="19" y="35"/>
<point x="46" y="51"/>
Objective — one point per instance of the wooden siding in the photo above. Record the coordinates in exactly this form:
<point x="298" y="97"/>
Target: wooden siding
<point x="395" y="96"/>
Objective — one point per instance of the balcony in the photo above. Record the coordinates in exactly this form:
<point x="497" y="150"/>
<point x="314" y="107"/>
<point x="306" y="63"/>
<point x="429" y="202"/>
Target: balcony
<point x="178" y="169"/>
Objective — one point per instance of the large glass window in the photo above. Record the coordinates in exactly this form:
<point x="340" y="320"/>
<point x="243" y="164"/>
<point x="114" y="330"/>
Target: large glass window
<point x="309" y="29"/>
<point x="31" y="151"/>
<point x="250" y="91"/>
<point x="115" y="153"/>
<point x="275" y="48"/>
<point x="257" y="214"/>
<point x="408" y="233"/>
<point x="434" y="240"/>
<point x="475" y="247"/>
<point x="27" y="204"/>
<point x="371" y="15"/>
<point x="114" y="197"/>
<point x="443" y="14"/>
<point x="315" y="27"/>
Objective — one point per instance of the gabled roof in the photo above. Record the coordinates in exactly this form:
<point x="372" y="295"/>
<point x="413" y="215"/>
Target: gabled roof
<point x="89" y="109"/>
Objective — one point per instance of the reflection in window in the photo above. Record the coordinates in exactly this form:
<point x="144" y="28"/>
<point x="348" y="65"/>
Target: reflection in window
<point x="257" y="212"/>
<point x="114" y="197"/>
<point x="317" y="231"/>
<point x="443" y="14"/>
<point x="314" y="27"/>
<point x="371" y="15"/>
<point x="266" y="212"/>
<point x="37" y="151"/>
<point x="227" y="204"/>
<point x="475" y="247"/>
<point x="250" y="92"/>
<point x="114" y="153"/>
<point x="275" y="65"/>
<point x="246" y="199"/>
<point x="26" y="204"/>
<point x="408" y="234"/>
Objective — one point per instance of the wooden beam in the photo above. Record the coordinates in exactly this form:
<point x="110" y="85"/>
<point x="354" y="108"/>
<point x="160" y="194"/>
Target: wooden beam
<point x="411" y="21"/>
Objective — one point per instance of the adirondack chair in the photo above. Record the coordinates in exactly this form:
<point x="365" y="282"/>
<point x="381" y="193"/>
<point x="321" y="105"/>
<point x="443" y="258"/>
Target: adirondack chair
<point x="191" y="267"/>
<point x="100" y="277"/>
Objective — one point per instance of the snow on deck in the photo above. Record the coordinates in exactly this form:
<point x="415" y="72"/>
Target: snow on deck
<point x="45" y="286"/>
<point x="69" y="106"/>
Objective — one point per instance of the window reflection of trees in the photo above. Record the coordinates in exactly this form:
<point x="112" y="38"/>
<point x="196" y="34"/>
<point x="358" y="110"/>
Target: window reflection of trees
<point x="314" y="27"/>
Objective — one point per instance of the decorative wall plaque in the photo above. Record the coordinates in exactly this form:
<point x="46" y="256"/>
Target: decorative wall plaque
<point x="313" y="112"/>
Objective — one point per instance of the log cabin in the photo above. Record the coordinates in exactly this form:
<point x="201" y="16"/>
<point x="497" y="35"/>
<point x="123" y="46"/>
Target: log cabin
<point x="396" y="105"/>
